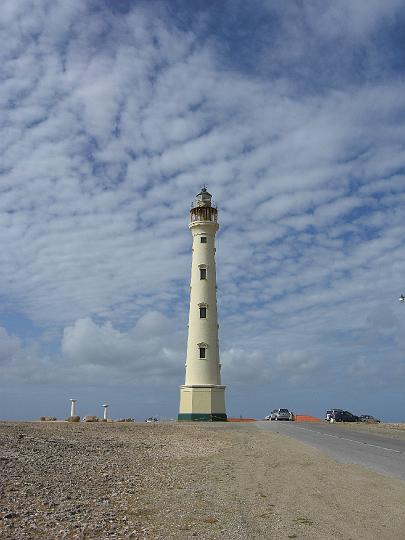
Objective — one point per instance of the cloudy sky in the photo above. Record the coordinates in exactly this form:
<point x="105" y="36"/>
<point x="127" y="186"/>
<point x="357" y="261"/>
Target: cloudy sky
<point x="114" y="114"/>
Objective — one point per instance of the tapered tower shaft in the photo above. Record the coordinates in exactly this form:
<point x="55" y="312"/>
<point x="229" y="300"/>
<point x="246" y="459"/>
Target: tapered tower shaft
<point x="202" y="395"/>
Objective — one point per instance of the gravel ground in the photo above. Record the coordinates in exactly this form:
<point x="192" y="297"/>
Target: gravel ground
<point x="163" y="481"/>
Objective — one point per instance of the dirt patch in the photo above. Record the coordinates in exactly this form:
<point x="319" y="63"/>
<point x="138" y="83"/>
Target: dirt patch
<point x="225" y="481"/>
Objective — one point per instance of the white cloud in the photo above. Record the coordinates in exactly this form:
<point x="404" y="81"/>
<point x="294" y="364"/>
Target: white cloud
<point x="148" y="353"/>
<point x="9" y="346"/>
<point x="150" y="350"/>
<point x="355" y="20"/>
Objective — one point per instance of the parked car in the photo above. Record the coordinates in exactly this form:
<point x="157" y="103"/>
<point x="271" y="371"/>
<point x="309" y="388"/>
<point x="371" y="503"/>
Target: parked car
<point x="273" y="414"/>
<point x="329" y="412"/>
<point x="282" y="414"/>
<point x="343" y="416"/>
<point x="151" y="419"/>
<point x="369" y="419"/>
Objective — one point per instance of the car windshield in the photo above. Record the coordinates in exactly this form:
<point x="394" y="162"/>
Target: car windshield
<point x="284" y="410"/>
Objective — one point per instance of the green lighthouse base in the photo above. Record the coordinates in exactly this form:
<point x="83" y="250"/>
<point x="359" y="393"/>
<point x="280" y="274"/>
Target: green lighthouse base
<point x="202" y="417"/>
<point x="202" y="403"/>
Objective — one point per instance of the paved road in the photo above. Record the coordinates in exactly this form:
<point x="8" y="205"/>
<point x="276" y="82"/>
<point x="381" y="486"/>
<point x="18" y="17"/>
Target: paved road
<point x="379" y="453"/>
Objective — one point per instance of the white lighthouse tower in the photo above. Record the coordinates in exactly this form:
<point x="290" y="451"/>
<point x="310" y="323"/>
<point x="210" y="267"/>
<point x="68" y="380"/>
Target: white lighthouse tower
<point x="202" y="397"/>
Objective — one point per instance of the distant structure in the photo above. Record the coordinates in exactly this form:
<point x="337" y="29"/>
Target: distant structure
<point x="202" y="397"/>
<point x="73" y="407"/>
<point x="105" y="414"/>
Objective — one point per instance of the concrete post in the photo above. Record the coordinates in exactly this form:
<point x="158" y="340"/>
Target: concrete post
<point x="73" y="407"/>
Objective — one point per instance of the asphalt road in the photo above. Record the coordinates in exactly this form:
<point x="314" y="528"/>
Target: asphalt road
<point x="385" y="455"/>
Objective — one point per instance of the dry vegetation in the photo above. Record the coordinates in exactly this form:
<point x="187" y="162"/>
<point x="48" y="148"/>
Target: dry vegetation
<point x="387" y="430"/>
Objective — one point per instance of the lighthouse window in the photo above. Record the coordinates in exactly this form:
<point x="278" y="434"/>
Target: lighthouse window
<point x="203" y="239"/>
<point x="202" y="352"/>
<point x="203" y="312"/>
<point x="203" y="273"/>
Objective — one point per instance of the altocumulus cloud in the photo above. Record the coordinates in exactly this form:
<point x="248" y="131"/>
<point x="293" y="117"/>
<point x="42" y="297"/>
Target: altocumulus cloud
<point x="113" y="114"/>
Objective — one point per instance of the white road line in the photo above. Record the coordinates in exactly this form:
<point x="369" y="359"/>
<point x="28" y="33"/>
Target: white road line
<point x="351" y="440"/>
<point x="390" y="449"/>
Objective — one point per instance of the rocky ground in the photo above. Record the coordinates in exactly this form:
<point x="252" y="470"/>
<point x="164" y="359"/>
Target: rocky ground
<point x="211" y="481"/>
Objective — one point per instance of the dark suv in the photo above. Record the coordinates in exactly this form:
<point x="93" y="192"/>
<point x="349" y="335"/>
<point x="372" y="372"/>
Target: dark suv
<point x="343" y="416"/>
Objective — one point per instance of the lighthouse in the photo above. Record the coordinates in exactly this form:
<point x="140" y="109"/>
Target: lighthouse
<point x="202" y="397"/>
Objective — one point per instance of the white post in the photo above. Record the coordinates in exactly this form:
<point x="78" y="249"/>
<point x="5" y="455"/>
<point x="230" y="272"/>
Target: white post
<point x="73" y="407"/>
<point x="202" y="397"/>
<point x="105" y="416"/>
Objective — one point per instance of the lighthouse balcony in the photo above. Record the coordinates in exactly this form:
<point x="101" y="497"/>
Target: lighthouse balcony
<point x="204" y="213"/>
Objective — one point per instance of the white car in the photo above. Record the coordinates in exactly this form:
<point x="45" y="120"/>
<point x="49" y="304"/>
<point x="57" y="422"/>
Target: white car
<point x="282" y="414"/>
<point x="330" y="412"/>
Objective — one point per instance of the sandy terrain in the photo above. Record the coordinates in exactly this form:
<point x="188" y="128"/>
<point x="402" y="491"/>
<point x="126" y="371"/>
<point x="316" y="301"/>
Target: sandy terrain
<point x="210" y="481"/>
